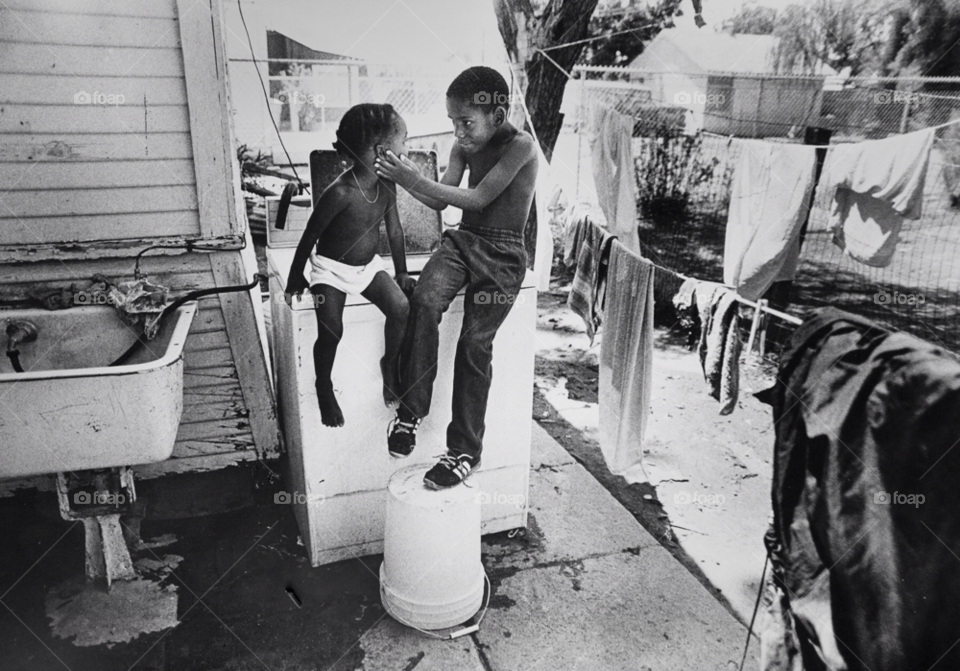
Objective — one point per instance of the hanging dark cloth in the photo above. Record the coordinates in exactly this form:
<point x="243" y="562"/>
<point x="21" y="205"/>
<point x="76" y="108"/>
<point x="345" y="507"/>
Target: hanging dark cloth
<point x="866" y="495"/>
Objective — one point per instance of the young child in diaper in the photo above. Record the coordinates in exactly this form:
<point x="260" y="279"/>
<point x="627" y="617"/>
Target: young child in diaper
<point x="339" y="249"/>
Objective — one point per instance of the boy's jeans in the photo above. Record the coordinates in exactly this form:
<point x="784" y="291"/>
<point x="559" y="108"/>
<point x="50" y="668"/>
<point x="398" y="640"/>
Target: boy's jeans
<point x="492" y="264"/>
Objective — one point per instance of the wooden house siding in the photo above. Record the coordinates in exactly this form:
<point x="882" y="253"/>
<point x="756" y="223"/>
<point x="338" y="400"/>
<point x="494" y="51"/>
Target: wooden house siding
<point x="86" y="186"/>
<point x="83" y="86"/>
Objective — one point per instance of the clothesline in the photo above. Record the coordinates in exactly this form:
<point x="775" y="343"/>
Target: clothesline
<point x="598" y="37"/>
<point x="559" y="67"/>
<point x="832" y="146"/>
<point x="740" y="299"/>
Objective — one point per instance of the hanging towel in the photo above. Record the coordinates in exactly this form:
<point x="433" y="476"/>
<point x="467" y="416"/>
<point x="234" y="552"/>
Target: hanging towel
<point x="769" y="201"/>
<point x="575" y="228"/>
<point x="721" y="359"/>
<point x="585" y="293"/>
<point x="876" y="185"/>
<point x="626" y="358"/>
<point x="611" y="136"/>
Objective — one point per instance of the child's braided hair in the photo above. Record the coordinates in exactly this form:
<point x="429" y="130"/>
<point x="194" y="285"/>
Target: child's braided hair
<point x="363" y="126"/>
<point x="481" y="87"/>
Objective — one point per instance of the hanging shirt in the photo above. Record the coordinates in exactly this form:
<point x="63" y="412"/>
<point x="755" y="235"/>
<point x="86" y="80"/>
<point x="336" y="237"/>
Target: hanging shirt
<point x="769" y="201"/>
<point x="865" y="498"/>
<point x="611" y="135"/>
<point x="876" y="185"/>
<point x="626" y="363"/>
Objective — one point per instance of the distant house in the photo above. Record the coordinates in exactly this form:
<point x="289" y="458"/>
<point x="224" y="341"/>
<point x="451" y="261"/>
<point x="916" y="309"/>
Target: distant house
<point x="728" y="82"/>
<point x="309" y="89"/>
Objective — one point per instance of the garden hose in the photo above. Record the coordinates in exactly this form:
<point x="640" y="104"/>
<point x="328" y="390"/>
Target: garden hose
<point x="190" y="296"/>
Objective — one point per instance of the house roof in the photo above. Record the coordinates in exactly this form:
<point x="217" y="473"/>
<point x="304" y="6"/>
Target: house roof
<point x="281" y="46"/>
<point x="716" y="52"/>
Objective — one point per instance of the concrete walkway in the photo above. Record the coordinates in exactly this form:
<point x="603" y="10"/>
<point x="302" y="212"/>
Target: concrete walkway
<point x="585" y="587"/>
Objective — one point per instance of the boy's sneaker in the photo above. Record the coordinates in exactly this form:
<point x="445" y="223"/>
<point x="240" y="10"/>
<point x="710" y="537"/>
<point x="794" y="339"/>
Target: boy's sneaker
<point x="402" y="437"/>
<point x="451" y="470"/>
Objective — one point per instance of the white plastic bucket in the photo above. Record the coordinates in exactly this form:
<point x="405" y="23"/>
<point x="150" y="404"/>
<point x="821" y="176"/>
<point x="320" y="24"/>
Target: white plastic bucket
<point x="431" y="576"/>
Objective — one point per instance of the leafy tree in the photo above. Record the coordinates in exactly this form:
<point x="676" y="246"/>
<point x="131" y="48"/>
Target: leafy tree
<point x="841" y="33"/>
<point x="752" y="20"/>
<point x="932" y="33"/>
<point x="622" y="47"/>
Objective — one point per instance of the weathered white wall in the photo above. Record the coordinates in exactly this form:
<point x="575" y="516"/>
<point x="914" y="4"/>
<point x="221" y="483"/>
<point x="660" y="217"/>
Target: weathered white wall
<point x="94" y="125"/>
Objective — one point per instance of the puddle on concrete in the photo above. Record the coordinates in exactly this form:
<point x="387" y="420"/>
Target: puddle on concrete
<point x="88" y="613"/>
<point x="159" y="541"/>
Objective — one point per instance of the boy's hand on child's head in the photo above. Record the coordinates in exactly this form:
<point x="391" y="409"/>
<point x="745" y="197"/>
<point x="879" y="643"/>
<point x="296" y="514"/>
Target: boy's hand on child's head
<point x="397" y="169"/>
<point x="410" y="164"/>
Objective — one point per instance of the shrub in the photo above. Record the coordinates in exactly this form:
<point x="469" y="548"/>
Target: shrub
<point x="669" y="165"/>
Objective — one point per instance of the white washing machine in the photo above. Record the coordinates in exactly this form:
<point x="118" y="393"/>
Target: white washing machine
<point x="338" y="476"/>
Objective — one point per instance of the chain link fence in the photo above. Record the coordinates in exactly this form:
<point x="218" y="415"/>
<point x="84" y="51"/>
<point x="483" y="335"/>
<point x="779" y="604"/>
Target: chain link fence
<point x="685" y="149"/>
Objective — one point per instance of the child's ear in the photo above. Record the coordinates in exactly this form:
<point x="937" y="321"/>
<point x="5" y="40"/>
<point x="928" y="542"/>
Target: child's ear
<point x="378" y="149"/>
<point x="499" y="115"/>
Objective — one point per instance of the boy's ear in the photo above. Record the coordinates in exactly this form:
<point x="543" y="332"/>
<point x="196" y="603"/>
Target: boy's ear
<point x="378" y="149"/>
<point x="499" y="115"/>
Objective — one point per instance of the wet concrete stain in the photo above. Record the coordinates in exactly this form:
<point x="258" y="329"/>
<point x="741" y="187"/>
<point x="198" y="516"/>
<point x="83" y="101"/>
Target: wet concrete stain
<point x="413" y="661"/>
<point x="573" y="570"/>
<point x="90" y="615"/>
<point x="232" y="612"/>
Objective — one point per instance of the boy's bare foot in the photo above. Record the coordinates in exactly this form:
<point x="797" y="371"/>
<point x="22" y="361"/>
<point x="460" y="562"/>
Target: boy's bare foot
<point x="391" y="382"/>
<point x="330" y="413"/>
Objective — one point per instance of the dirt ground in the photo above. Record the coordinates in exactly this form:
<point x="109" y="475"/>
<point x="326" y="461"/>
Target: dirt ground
<point x="708" y="501"/>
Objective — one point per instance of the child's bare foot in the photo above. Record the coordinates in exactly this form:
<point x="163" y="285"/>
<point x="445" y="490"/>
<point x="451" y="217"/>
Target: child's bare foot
<point x="330" y="413"/>
<point x="391" y="382"/>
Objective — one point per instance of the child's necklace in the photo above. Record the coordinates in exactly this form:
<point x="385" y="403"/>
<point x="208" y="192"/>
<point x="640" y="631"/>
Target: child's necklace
<point x="375" y="198"/>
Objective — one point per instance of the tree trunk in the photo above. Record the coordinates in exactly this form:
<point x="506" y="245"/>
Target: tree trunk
<point x="524" y="30"/>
